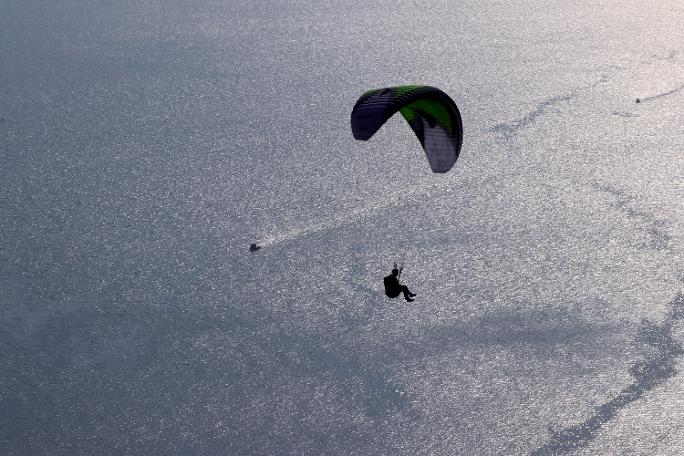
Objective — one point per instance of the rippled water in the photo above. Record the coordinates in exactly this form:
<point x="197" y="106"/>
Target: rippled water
<point x="146" y="144"/>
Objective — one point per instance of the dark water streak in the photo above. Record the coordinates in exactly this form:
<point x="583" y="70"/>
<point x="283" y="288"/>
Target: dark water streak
<point x="654" y="228"/>
<point x="663" y="94"/>
<point x="509" y="129"/>
<point x="648" y="373"/>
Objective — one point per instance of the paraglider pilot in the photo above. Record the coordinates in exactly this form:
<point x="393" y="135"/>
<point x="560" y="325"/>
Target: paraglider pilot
<point x="393" y="288"/>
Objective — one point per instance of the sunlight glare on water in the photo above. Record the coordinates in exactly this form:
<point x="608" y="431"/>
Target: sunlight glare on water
<point x="145" y="145"/>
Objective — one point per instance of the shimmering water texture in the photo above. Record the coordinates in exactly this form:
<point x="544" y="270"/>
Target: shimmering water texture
<point x="657" y="367"/>
<point x="146" y="144"/>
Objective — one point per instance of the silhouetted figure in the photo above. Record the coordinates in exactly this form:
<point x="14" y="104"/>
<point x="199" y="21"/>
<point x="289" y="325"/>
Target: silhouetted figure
<point x="393" y="288"/>
<point x="254" y="247"/>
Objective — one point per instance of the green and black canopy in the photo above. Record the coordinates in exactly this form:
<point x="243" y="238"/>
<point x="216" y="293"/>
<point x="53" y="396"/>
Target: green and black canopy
<point x="432" y="115"/>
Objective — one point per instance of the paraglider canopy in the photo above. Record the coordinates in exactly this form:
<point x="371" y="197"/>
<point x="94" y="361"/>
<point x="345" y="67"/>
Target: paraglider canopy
<point x="432" y="115"/>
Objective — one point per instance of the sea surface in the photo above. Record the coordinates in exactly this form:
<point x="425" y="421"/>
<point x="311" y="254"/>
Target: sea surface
<point x="145" y="144"/>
